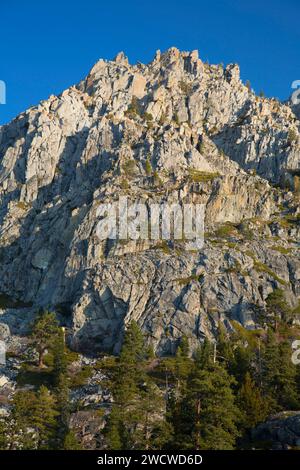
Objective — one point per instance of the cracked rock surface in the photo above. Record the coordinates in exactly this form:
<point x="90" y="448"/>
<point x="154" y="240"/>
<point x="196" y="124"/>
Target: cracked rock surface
<point x="176" y="130"/>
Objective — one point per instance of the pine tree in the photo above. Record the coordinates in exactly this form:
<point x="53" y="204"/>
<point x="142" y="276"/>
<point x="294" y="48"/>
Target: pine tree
<point x="59" y="356"/>
<point x="18" y="436"/>
<point x="62" y="396"/>
<point x="3" y="435"/>
<point x="71" y="442"/>
<point x="277" y="307"/>
<point x="114" y="429"/>
<point x="152" y="432"/>
<point x="136" y="420"/>
<point x="279" y="374"/>
<point x="177" y="370"/>
<point x="44" y="333"/>
<point x="287" y="386"/>
<point x="204" y="356"/>
<point x="209" y="415"/>
<point x="182" y="364"/>
<point x="62" y="392"/>
<point x="251" y="403"/>
<point x="241" y="363"/>
<point x="224" y="347"/>
<point x="44" y="417"/>
<point x="127" y="377"/>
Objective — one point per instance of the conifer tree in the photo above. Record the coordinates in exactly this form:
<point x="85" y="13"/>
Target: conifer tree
<point x="209" y="415"/>
<point x="44" y="333"/>
<point x="114" y="430"/>
<point x="62" y="396"/>
<point x="62" y="392"/>
<point x="182" y="364"/>
<point x="252" y="404"/>
<point x="23" y="404"/>
<point x="44" y="417"/>
<point x="279" y="374"/>
<point x="224" y="347"/>
<point x="204" y="355"/>
<point x="59" y="356"/>
<point x="278" y="307"/>
<point x="152" y="432"/>
<point x="137" y="416"/>
<point x="3" y="435"/>
<point x="71" y="442"/>
<point x="241" y="363"/>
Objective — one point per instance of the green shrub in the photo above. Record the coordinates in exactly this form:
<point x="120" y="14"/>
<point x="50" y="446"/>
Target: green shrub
<point x="162" y="119"/>
<point x="186" y="280"/>
<point x="245" y="231"/>
<point x="163" y="245"/>
<point x="156" y="179"/>
<point x="292" y="136"/>
<point x="133" y="109"/>
<point x="129" y="168"/>
<point x="148" y="167"/>
<point x="148" y="117"/>
<point x="124" y="183"/>
<point x="224" y="231"/>
<point x="80" y="378"/>
<point x="236" y="268"/>
<point x="281" y="249"/>
<point x="263" y="268"/>
<point x="202" y="176"/>
<point x="185" y="87"/>
<point x="23" y="205"/>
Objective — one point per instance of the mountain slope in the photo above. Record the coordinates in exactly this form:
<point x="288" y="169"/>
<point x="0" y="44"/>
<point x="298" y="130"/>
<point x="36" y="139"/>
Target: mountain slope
<point x="175" y="130"/>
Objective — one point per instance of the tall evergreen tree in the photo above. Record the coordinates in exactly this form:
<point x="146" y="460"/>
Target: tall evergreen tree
<point x="71" y="442"/>
<point x="44" y="333"/>
<point x="18" y="435"/>
<point x="241" y="362"/>
<point x="224" y="350"/>
<point x="59" y="356"/>
<point x="62" y="392"/>
<point x="277" y="307"/>
<point x="252" y="404"/>
<point x="209" y="415"/>
<point x="279" y="374"/>
<point x="3" y="435"/>
<point x="44" y="418"/>
<point x="135" y="420"/>
<point x="182" y="364"/>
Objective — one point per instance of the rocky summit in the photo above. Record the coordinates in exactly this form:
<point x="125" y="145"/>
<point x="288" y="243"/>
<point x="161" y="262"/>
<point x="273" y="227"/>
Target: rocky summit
<point x="176" y="130"/>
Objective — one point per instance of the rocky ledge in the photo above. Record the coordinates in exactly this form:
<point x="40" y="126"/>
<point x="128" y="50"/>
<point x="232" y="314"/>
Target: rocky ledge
<point x="174" y="130"/>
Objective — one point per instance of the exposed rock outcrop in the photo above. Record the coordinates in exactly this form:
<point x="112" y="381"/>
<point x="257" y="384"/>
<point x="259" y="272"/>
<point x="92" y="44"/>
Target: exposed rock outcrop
<point x="176" y="130"/>
<point x="282" y="431"/>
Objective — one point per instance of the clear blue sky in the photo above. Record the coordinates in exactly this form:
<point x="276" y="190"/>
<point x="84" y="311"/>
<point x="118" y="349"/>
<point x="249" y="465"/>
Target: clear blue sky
<point x="46" y="46"/>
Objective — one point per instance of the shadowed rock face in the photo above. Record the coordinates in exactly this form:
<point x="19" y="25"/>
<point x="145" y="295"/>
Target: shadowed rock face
<point x="173" y="131"/>
<point x="281" y="430"/>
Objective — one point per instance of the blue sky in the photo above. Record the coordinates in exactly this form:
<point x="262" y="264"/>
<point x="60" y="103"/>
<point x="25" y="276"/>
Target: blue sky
<point x="46" y="46"/>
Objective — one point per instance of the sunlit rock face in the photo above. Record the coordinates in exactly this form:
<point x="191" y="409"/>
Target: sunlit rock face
<point x="176" y="130"/>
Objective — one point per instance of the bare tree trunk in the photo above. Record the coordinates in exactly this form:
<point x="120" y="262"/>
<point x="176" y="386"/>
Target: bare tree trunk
<point x="197" y="424"/>
<point x="41" y="355"/>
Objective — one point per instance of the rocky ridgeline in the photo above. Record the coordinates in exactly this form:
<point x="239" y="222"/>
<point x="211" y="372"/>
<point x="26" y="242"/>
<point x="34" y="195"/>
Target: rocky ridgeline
<point x="175" y="130"/>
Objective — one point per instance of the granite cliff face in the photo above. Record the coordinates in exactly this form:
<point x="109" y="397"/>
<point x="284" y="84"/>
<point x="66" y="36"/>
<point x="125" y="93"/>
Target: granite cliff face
<point x="175" y="130"/>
